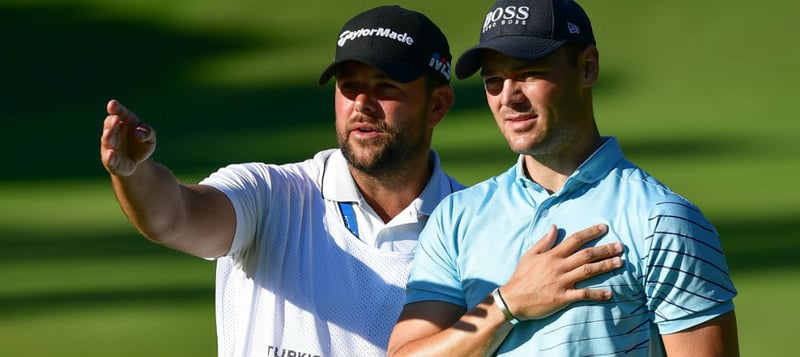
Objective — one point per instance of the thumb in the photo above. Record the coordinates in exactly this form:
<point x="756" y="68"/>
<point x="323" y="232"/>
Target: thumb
<point x="145" y="134"/>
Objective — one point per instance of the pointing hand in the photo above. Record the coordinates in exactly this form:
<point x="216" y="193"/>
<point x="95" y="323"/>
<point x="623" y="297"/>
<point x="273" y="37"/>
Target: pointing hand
<point x="126" y="141"/>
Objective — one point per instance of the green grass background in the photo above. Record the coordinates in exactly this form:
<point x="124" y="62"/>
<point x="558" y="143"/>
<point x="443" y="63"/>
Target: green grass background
<point x="702" y="94"/>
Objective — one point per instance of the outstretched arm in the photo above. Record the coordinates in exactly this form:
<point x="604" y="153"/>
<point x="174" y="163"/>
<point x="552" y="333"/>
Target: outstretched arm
<point x="196" y="219"/>
<point x="543" y="283"/>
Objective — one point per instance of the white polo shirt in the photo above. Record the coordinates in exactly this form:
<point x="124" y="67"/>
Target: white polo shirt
<point x="399" y="234"/>
<point x="296" y="281"/>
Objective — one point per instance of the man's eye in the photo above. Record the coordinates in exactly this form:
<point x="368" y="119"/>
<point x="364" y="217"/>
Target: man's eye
<point x="349" y="88"/>
<point x="493" y="85"/>
<point x="388" y="90"/>
<point x="348" y="85"/>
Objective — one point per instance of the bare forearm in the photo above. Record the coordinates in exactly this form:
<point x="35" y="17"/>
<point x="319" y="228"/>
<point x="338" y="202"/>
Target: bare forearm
<point x="543" y="282"/>
<point x="477" y="333"/>
<point x="151" y="199"/>
<point x="717" y="337"/>
<point x="196" y="219"/>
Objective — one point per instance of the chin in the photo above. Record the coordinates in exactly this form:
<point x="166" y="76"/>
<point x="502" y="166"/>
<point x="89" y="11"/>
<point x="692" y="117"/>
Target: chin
<point x="360" y="156"/>
<point x="520" y="146"/>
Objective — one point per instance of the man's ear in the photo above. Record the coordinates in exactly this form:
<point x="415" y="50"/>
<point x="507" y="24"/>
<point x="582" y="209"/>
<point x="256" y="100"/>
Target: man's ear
<point x="442" y="99"/>
<point x="590" y="58"/>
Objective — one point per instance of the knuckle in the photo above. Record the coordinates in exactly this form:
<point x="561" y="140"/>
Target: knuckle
<point x="586" y="269"/>
<point x="605" y="265"/>
<point x="586" y="254"/>
<point x="613" y="263"/>
<point x="591" y="232"/>
<point x="609" y="250"/>
<point x="608" y="265"/>
<point x="574" y="241"/>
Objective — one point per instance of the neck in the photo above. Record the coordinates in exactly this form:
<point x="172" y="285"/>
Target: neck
<point x="551" y="171"/>
<point x="390" y="193"/>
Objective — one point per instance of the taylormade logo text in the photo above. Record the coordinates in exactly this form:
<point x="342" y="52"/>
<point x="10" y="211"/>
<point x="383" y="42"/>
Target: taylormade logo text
<point x="380" y="32"/>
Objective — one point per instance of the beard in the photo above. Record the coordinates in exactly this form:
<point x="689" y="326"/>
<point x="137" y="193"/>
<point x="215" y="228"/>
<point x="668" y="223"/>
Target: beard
<point x="387" y="156"/>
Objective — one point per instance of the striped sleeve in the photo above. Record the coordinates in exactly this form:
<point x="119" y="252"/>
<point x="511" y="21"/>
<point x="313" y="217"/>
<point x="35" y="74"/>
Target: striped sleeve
<point x="686" y="277"/>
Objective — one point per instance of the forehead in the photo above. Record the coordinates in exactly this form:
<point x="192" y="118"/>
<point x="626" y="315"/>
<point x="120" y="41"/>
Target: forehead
<point x="359" y="69"/>
<point x="493" y="61"/>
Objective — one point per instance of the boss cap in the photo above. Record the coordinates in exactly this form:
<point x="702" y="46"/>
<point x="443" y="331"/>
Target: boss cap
<point x="527" y="30"/>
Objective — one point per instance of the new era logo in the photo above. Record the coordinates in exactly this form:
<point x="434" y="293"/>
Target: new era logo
<point x="573" y="29"/>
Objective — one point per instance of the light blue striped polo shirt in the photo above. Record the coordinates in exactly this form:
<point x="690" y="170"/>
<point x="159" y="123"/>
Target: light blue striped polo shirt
<point x="674" y="276"/>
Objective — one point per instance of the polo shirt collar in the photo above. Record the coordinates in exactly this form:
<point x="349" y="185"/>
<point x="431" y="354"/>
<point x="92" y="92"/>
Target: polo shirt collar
<point x="600" y="163"/>
<point x="597" y="166"/>
<point x="439" y="186"/>
<point x="338" y="184"/>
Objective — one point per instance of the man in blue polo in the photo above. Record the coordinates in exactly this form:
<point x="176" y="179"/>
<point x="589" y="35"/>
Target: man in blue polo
<point x="471" y="291"/>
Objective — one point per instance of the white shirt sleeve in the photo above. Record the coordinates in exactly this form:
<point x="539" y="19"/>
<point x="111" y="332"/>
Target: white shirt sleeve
<point x="248" y="186"/>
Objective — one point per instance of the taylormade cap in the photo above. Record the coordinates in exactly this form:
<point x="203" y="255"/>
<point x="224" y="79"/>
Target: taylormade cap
<point x="528" y="30"/>
<point x="402" y="43"/>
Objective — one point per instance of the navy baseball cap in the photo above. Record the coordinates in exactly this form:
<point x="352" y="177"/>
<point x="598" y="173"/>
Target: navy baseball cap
<point x="528" y="30"/>
<point x="402" y="43"/>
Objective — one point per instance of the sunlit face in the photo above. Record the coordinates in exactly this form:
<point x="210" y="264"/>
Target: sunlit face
<point x="536" y="104"/>
<point x="380" y="122"/>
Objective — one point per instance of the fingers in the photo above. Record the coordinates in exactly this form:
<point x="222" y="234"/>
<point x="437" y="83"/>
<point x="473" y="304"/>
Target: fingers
<point x="546" y="242"/>
<point x="125" y="141"/>
<point x="118" y="114"/>
<point x="571" y="243"/>
<point x="578" y="239"/>
<point x="587" y="294"/>
<point x="592" y="254"/>
<point x="109" y="159"/>
<point x="114" y="107"/>
<point x="598" y="260"/>
<point x="109" y="141"/>
<point x="580" y="264"/>
<point x="590" y="269"/>
<point x="592" y="261"/>
<point x="545" y="278"/>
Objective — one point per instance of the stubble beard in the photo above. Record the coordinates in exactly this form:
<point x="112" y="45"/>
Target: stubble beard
<point x="387" y="157"/>
<point x="549" y="143"/>
<point x="553" y="139"/>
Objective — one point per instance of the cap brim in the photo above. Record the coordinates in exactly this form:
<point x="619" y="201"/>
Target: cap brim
<point x="524" y="48"/>
<point x="396" y="70"/>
